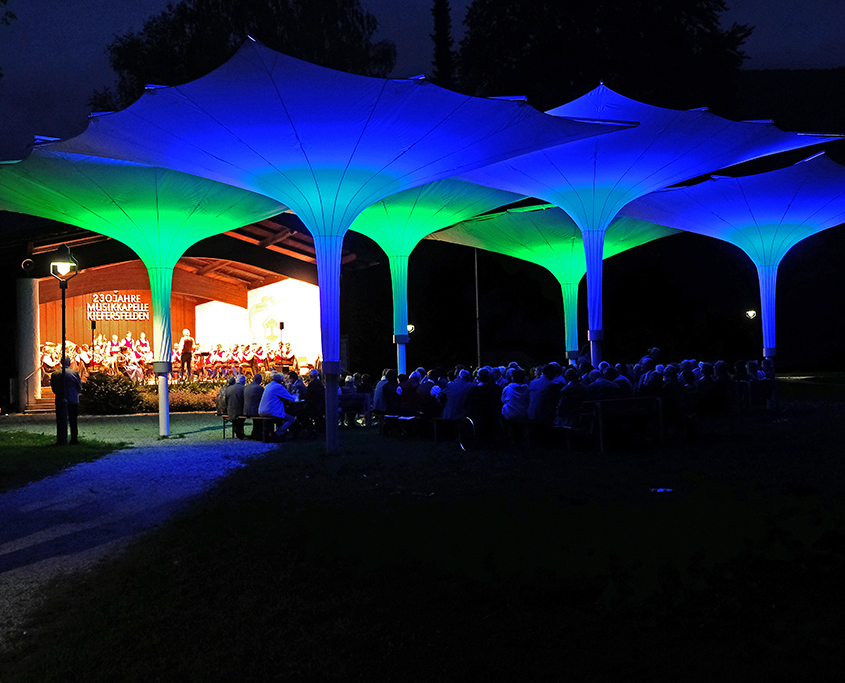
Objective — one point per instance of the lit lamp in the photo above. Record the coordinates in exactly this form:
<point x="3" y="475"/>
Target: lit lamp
<point x="63" y="271"/>
<point x="411" y="328"/>
<point x="751" y="314"/>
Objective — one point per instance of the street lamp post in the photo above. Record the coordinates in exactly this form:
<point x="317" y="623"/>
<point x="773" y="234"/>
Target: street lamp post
<point x="63" y="271"/>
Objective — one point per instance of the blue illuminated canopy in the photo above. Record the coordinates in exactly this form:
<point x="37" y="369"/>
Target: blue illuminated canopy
<point x="593" y="179"/>
<point x="765" y="215"/>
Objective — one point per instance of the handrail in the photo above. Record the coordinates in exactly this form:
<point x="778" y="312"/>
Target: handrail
<point x="26" y="388"/>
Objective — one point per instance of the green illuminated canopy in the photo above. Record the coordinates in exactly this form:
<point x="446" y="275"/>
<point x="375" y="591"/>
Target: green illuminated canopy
<point x="157" y="212"/>
<point x="399" y="222"/>
<point x="547" y="236"/>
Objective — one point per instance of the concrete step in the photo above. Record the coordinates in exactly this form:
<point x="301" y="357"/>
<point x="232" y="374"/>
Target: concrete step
<point x="45" y="404"/>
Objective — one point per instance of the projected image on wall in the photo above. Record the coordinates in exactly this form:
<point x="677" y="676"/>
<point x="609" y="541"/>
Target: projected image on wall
<point x="295" y="303"/>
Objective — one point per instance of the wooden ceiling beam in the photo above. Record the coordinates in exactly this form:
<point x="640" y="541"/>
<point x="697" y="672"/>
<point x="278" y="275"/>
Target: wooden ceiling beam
<point x="280" y="236"/>
<point x="211" y="267"/>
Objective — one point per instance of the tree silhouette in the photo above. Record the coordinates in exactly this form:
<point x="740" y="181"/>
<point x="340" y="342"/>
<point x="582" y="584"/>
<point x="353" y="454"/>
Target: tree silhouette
<point x="5" y="18"/>
<point x="190" y="39"/>
<point x="444" y="56"/>
<point x="671" y="53"/>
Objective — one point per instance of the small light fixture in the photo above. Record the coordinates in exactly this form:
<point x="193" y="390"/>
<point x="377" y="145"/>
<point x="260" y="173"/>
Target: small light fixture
<point x="751" y="314"/>
<point x="411" y="328"/>
<point x="65" y="269"/>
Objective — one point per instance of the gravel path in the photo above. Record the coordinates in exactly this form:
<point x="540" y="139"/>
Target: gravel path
<point x="68" y="522"/>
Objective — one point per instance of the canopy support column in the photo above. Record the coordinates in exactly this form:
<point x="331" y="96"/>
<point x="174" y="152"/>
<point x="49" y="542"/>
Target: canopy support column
<point x="768" y="276"/>
<point x="593" y="253"/>
<point x="328" y="249"/>
<point x="161" y="283"/>
<point x="399" y="285"/>
<point x="29" y="330"/>
<point x="570" y="317"/>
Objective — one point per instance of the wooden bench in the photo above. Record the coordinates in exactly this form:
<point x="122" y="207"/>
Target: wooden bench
<point x="352" y="405"/>
<point x="406" y="425"/>
<point x="643" y="408"/>
<point x="598" y="418"/>
<point x="267" y="425"/>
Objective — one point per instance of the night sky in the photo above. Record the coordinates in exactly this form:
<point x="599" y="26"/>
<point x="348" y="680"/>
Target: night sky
<point x="53" y="57"/>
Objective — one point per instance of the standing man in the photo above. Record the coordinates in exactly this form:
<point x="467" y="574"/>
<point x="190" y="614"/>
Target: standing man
<point x="186" y="354"/>
<point x="71" y="393"/>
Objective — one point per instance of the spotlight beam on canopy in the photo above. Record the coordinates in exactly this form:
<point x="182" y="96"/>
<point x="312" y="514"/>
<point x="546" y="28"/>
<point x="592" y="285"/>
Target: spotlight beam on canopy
<point x="399" y="222"/>
<point x="765" y="215"/>
<point x="325" y="143"/>
<point x="157" y="212"/>
<point x="547" y="236"/>
<point x="593" y="179"/>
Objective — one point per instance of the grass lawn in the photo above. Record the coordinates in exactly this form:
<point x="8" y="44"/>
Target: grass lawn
<point x="399" y="560"/>
<point x="26" y="457"/>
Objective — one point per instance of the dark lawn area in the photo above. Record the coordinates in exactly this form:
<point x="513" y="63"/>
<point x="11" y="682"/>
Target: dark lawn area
<point x="26" y="457"/>
<point x="400" y="561"/>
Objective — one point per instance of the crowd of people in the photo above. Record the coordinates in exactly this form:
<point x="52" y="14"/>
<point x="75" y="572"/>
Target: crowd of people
<point x="284" y="398"/>
<point x="265" y="382"/>
<point x="509" y="399"/>
<point x="134" y="358"/>
<point x="552" y="395"/>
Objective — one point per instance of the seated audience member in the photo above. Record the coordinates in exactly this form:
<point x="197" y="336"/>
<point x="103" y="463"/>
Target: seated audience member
<point x="348" y="385"/>
<point x="484" y="404"/>
<point x="391" y="393"/>
<point x="273" y="405"/>
<point x="674" y="395"/>
<point x="427" y="402"/>
<point x="571" y="399"/>
<point x="378" y="396"/>
<point x="235" y="406"/>
<point x="626" y="389"/>
<point x="705" y="384"/>
<point x="314" y="411"/>
<point x="296" y="386"/>
<point x="365" y="386"/>
<point x="741" y="372"/>
<point x="768" y="368"/>
<point x="754" y="372"/>
<point x="543" y="396"/>
<point x="409" y="394"/>
<point x="454" y="396"/>
<point x="600" y="388"/>
<point x="515" y="404"/>
<point x="252" y="401"/>
<point x="221" y="397"/>
<point x="686" y="376"/>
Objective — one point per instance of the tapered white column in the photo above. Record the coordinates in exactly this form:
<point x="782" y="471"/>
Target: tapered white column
<point x="328" y="249"/>
<point x="570" y="317"/>
<point x="768" y="289"/>
<point x="28" y="342"/>
<point x="399" y="285"/>
<point x="161" y="284"/>
<point x="594" y="252"/>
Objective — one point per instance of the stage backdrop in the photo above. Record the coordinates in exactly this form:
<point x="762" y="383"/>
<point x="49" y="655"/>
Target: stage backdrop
<point x="293" y="302"/>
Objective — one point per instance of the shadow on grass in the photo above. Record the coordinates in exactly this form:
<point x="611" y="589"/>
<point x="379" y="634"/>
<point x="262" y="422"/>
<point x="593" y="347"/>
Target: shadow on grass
<point x="27" y="457"/>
